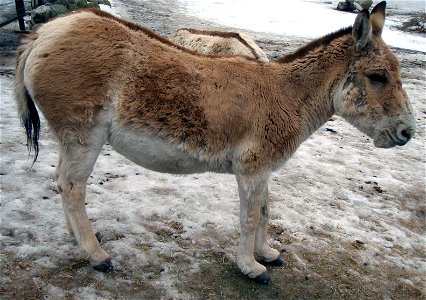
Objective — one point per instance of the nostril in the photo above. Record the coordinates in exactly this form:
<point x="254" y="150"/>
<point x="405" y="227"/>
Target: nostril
<point x="405" y="133"/>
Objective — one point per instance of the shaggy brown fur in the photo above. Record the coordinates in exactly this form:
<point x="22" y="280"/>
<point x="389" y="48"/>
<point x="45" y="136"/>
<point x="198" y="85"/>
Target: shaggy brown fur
<point x="100" y="79"/>
<point x="147" y="32"/>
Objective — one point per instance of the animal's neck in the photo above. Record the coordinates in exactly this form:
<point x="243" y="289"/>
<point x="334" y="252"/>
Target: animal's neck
<point x="310" y="83"/>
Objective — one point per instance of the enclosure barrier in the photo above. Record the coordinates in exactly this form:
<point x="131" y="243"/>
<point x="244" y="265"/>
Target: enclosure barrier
<point x="20" y="12"/>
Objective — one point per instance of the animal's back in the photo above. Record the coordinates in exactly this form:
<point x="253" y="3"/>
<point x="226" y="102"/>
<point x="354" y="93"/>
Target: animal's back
<point x="75" y="65"/>
<point x="79" y="64"/>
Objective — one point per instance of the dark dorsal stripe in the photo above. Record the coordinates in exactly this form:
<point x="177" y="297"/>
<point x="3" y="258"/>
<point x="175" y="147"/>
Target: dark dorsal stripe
<point x="325" y="40"/>
<point x="136" y="27"/>
<point x="285" y="59"/>
<point x="222" y="34"/>
<point x="151" y="34"/>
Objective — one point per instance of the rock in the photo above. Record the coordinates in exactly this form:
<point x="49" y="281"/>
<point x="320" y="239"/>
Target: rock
<point x="45" y="12"/>
<point x="415" y="24"/>
<point x="104" y="2"/>
<point x="351" y="5"/>
<point x="345" y="6"/>
<point x="365" y="4"/>
<point x="55" y="8"/>
<point x="58" y="9"/>
<point x="86" y="4"/>
<point x="41" y="14"/>
<point x="65" y="3"/>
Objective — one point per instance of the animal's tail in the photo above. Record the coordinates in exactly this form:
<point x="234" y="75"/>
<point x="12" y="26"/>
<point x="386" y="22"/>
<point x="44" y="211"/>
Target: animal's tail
<point x="26" y="107"/>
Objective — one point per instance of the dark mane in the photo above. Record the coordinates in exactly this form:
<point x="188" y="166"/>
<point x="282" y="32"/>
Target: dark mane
<point x="325" y="40"/>
<point x="151" y="34"/>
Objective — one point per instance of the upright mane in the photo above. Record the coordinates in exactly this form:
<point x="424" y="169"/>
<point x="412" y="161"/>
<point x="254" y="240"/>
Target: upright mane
<point x="325" y="40"/>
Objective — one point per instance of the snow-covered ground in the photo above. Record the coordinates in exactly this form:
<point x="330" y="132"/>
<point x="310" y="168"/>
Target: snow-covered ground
<point x="349" y="218"/>
<point x="318" y="18"/>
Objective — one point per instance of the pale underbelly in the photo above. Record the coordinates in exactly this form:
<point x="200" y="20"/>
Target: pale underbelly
<point x="157" y="154"/>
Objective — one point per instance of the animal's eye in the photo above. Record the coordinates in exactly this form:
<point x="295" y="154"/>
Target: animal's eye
<point x="377" y="79"/>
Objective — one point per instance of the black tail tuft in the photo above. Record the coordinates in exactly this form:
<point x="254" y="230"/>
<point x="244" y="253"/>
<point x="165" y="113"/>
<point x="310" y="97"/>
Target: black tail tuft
<point x="31" y="122"/>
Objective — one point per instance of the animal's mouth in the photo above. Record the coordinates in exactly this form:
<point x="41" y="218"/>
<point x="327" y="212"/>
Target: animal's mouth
<point x="388" y="139"/>
<point x="393" y="136"/>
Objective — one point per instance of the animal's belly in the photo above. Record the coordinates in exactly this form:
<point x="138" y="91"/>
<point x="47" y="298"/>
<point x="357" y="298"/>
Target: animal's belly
<point x="159" y="155"/>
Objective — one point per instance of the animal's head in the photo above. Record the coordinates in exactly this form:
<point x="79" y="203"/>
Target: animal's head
<point x="371" y="97"/>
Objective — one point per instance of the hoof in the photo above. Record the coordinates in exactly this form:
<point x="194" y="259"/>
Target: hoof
<point x="99" y="237"/>
<point x="278" y="262"/>
<point x="105" y="267"/>
<point x="262" y="278"/>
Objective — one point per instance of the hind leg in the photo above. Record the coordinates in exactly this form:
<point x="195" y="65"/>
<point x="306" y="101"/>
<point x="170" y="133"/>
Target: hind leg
<point x="57" y="172"/>
<point x="76" y="164"/>
<point x="69" y="227"/>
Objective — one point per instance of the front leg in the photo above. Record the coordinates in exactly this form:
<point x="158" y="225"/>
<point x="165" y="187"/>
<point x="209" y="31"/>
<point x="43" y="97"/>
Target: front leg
<point x="265" y="253"/>
<point x="251" y="191"/>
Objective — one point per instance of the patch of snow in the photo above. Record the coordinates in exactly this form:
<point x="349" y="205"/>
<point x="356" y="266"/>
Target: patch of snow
<point x="309" y="19"/>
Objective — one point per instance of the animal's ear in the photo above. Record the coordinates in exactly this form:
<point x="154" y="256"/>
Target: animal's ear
<point x="378" y="18"/>
<point x="361" y="31"/>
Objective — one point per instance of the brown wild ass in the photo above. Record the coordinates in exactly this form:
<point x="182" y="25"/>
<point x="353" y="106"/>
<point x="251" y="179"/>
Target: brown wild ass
<point x="218" y="42"/>
<point x="100" y="79"/>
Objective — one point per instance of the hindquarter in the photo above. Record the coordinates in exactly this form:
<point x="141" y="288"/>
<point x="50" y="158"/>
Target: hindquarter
<point x="72" y="71"/>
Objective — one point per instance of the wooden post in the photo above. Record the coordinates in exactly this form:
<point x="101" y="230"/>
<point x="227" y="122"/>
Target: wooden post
<point x="20" y="13"/>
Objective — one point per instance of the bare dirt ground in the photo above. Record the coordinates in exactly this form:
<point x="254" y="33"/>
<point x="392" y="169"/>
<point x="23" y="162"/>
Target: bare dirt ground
<point x="206" y="270"/>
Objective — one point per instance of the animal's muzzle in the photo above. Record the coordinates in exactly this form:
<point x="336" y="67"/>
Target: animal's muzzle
<point x="404" y="132"/>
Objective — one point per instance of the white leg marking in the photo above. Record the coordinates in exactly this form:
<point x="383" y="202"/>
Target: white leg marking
<point x="57" y="172"/>
<point x="250" y="190"/>
<point x="263" y="250"/>
<point x="76" y="164"/>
